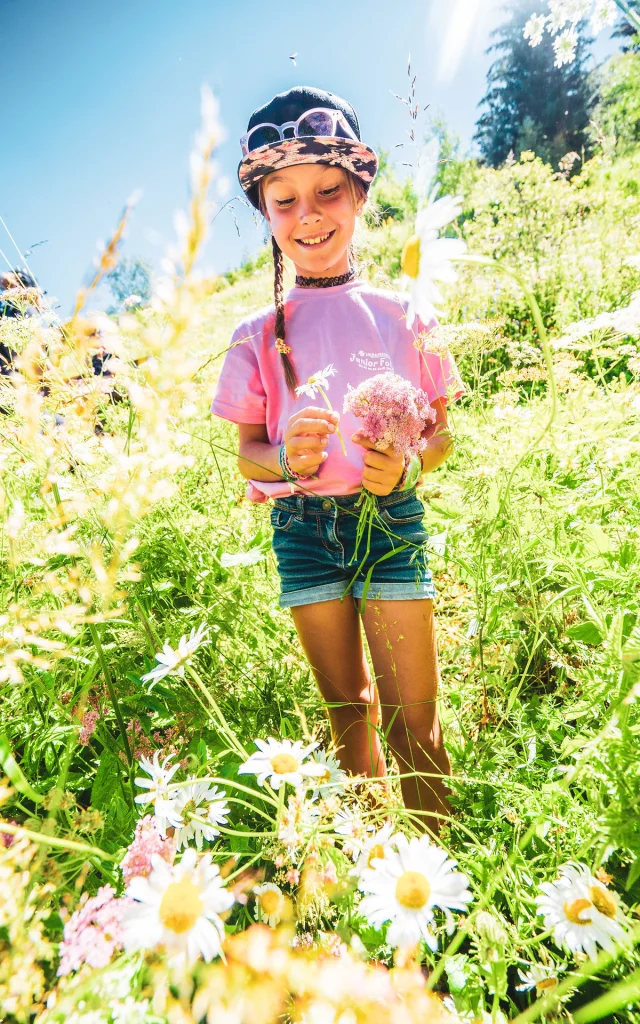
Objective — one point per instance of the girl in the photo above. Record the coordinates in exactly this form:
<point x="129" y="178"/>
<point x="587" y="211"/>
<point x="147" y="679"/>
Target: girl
<point x="306" y="169"/>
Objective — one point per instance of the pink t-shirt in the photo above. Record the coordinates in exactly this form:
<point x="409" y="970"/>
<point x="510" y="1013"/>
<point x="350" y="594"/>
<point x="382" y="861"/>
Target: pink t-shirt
<point x="362" y="331"/>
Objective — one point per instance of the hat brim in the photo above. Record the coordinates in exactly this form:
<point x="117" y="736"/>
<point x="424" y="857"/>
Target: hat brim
<point x="351" y="154"/>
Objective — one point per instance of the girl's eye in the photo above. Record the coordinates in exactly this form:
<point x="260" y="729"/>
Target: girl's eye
<point x="283" y="202"/>
<point x="330" y="191"/>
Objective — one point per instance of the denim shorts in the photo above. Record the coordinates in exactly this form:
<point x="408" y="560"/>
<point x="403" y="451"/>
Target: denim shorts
<point x="314" y="540"/>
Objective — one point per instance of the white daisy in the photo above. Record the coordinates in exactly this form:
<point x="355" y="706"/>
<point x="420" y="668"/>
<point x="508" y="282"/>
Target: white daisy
<point x="426" y="257"/>
<point x="158" y="794"/>
<point x="270" y="903"/>
<point x="197" y="798"/>
<point x="534" y="29"/>
<point x="132" y="300"/>
<point x="299" y="821"/>
<point x="349" y="824"/>
<point x="317" y="382"/>
<point x="539" y="977"/>
<point x="582" y="911"/>
<point x="405" y="887"/>
<point x="281" y="761"/>
<point x="564" y="46"/>
<point x="177" y="908"/>
<point x="170" y="661"/>
<point x="333" y="778"/>
<point x="373" y="848"/>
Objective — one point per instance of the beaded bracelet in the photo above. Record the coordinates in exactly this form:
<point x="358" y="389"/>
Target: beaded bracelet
<point x="412" y="468"/>
<point x="286" y="470"/>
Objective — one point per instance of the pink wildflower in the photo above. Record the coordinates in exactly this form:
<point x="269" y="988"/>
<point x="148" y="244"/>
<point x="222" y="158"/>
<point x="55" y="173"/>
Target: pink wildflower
<point x="394" y="413"/>
<point x="292" y="876"/>
<point x="94" y="932"/>
<point x="89" y="722"/>
<point x="146" y="841"/>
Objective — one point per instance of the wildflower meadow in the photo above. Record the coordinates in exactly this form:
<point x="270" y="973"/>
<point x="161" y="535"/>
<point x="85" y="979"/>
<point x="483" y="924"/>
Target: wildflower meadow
<point x="178" y="840"/>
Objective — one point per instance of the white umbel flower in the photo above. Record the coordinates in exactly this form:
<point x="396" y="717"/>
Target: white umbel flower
<point x="405" y="887"/>
<point x="426" y="258"/>
<point x="317" y="382"/>
<point x="534" y="29"/>
<point x="581" y="910"/>
<point x="178" y="908"/>
<point x="604" y="14"/>
<point x="564" y="46"/>
<point x="170" y="661"/>
<point x="270" y="903"/>
<point x="198" y="798"/>
<point x="157" y="792"/>
<point x="281" y="761"/>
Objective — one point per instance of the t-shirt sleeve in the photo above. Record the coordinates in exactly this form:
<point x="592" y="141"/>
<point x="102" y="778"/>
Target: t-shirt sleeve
<point x="240" y="395"/>
<point x="439" y="376"/>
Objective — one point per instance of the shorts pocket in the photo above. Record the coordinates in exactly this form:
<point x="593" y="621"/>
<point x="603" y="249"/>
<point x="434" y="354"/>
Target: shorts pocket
<point x="407" y="510"/>
<point x="281" y="520"/>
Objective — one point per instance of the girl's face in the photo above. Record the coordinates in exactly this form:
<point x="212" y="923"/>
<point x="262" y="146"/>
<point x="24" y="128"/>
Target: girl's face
<point x="311" y="212"/>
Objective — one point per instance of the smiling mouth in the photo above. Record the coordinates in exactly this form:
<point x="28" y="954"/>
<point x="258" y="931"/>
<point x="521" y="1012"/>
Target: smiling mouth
<point x="315" y="239"/>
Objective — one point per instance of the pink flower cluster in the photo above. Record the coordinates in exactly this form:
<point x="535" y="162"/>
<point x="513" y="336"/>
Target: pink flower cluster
<point x="394" y="413"/>
<point x="89" y="721"/>
<point x="146" y="841"/>
<point x="94" y="932"/>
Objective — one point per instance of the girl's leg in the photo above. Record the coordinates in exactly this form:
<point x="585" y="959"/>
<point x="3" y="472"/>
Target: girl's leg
<point x="402" y="641"/>
<point x="330" y="635"/>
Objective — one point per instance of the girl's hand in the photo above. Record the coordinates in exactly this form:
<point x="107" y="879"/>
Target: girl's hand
<point x="382" y="470"/>
<point x="306" y="438"/>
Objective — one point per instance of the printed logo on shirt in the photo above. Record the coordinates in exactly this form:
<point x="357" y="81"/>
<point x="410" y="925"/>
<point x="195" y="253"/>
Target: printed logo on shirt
<point x="378" y="362"/>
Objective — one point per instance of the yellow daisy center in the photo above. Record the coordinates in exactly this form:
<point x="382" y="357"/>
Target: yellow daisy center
<point x="270" y="902"/>
<point x="412" y="890"/>
<point x="181" y="906"/>
<point x="603" y="901"/>
<point x="284" y="764"/>
<point x="375" y="851"/>
<point x="325" y="776"/>
<point x="546" y="983"/>
<point x="189" y="809"/>
<point x="575" y="908"/>
<point x="411" y="256"/>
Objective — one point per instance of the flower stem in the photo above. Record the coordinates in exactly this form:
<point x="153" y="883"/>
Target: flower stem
<point x="331" y="409"/>
<point x="63" y="844"/>
<point x="632" y="16"/>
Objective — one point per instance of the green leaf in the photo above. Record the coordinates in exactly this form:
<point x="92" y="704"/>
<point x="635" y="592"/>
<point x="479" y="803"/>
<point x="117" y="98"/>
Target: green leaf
<point x="11" y="769"/>
<point x="106" y="781"/>
<point x="586" y="633"/>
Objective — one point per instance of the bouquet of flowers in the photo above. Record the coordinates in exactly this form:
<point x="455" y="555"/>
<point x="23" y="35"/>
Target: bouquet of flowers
<point x="394" y="414"/>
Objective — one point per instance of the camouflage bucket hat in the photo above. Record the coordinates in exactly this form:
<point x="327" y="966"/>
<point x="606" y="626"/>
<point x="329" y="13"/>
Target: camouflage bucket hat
<point x="277" y="137"/>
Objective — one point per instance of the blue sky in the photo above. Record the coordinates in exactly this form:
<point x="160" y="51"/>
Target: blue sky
<point x="103" y="100"/>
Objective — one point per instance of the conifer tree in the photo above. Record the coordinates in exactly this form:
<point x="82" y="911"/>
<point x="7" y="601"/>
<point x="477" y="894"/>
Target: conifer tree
<point x="530" y="103"/>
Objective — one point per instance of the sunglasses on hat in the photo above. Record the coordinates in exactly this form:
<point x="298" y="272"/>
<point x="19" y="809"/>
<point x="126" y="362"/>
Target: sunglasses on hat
<point x="321" y="122"/>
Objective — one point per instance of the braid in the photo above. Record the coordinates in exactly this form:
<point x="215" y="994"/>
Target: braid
<point x="278" y="293"/>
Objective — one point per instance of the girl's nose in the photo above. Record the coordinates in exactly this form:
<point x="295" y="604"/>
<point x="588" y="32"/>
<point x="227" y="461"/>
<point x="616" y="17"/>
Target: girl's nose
<point x="308" y="211"/>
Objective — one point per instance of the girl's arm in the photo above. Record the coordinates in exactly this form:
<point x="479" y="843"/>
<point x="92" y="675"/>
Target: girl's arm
<point x="257" y="459"/>
<point x="305" y="438"/>
<point x="440" y="442"/>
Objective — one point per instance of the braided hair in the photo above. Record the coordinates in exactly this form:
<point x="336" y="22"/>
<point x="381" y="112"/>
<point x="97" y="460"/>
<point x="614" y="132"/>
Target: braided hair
<point x="290" y="374"/>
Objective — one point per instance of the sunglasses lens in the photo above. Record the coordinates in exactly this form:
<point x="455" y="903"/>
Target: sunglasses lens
<point x="341" y="130"/>
<point x="317" y="123"/>
<point x="263" y="135"/>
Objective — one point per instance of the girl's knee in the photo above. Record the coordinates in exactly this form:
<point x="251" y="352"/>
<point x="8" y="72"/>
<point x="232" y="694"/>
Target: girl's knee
<point x="410" y="734"/>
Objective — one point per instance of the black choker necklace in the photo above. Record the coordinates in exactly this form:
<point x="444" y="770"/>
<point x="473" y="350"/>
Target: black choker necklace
<point x="325" y="282"/>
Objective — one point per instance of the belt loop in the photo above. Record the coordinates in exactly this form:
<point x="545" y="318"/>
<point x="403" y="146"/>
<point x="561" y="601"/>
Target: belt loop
<point x="300" y="505"/>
